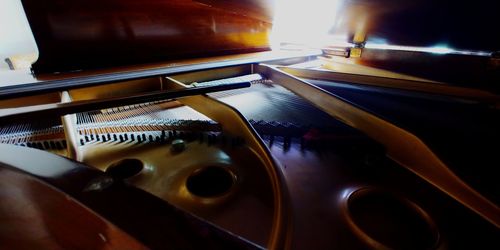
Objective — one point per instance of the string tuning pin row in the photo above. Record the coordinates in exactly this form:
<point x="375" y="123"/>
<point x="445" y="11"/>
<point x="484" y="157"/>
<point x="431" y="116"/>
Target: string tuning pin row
<point x="45" y="145"/>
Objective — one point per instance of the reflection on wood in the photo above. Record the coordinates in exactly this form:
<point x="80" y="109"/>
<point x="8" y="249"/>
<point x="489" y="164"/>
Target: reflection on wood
<point x="79" y="35"/>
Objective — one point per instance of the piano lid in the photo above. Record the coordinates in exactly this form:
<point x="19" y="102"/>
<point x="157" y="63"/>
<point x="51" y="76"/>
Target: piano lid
<point x="94" y="34"/>
<point x="91" y="34"/>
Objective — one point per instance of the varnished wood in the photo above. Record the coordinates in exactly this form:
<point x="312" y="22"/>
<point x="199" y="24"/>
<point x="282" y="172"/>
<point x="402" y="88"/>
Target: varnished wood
<point x="363" y="75"/>
<point x="35" y="215"/>
<point x="60" y="109"/>
<point x="461" y="70"/>
<point x="22" y="83"/>
<point x="46" y="203"/>
<point x="80" y="35"/>
<point x="402" y="146"/>
<point x="236" y="124"/>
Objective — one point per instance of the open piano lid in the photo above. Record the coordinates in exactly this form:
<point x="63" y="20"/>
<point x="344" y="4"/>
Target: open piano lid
<point x="92" y="34"/>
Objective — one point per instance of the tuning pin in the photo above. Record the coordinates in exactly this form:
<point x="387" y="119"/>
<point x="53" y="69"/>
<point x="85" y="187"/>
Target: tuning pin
<point x="132" y="137"/>
<point x="82" y="142"/>
<point x="115" y="137"/>
<point x="121" y="138"/>
<point x="126" y="137"/>
<point x="87" y="138"/>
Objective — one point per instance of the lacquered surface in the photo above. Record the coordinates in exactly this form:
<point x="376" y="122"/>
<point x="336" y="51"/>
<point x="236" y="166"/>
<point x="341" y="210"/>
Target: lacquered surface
<point x="78" y="35"/>
<point x="326" y="163"/>
<point x="322" y="168"/>
<point x="477" y="72"/>
<point x="56" y="203"/>
<point x="460" y="132"/>
<point x="246" y="209"/>
<point x="22" y="83"/>
<point x="34" y="215"/>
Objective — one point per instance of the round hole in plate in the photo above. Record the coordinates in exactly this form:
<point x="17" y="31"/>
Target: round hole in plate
<point x="387" y="221"/>
<point x="125" y="168"/>
<point x="210" y="181"/>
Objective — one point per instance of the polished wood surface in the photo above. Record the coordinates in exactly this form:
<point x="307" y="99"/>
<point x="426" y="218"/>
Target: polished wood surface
<point x="323" y="182"/>
<point x="50" y="202"/>
<point x="80" y="35"/>
<point x="470" y="71"/>
<point x="35" y="215"/>
<point x="60" y="109"/>
<point x="23" y="83"/>
<point x="343" y="70"/>
<point x="323" y="172"/>
<point x="402" y="146"/>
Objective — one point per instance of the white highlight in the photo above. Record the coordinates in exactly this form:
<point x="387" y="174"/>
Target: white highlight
<point x="440" y="49"/>
<point x="304" y="22"/>
<point x="15" y="34"/>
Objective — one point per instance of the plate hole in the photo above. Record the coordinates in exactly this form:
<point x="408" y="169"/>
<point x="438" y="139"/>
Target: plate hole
<point x="210" y="181"/>
<point x="392" y="221"/>
<point x="125" y="168"/>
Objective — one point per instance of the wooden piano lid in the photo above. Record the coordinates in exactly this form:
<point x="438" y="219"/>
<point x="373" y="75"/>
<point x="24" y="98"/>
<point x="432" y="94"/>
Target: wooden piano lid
<point x="95" y="34"/>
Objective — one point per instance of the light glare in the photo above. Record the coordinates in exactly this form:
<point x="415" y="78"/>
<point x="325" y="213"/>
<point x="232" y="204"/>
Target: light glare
<point x="303" y="22"/>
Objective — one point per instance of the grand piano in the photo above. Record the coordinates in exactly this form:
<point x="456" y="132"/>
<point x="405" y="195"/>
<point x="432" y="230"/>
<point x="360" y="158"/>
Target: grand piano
<point x="184" y="125"/>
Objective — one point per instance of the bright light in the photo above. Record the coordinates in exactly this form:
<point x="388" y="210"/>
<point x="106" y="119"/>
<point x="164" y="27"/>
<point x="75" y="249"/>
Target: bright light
<point x="441" y="49"/>
<point x="16" y="38"/>
<point x="304" y="22"/>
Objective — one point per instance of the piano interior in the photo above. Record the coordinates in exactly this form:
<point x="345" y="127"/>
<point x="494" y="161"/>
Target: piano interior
<point x="279" y="150"/>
